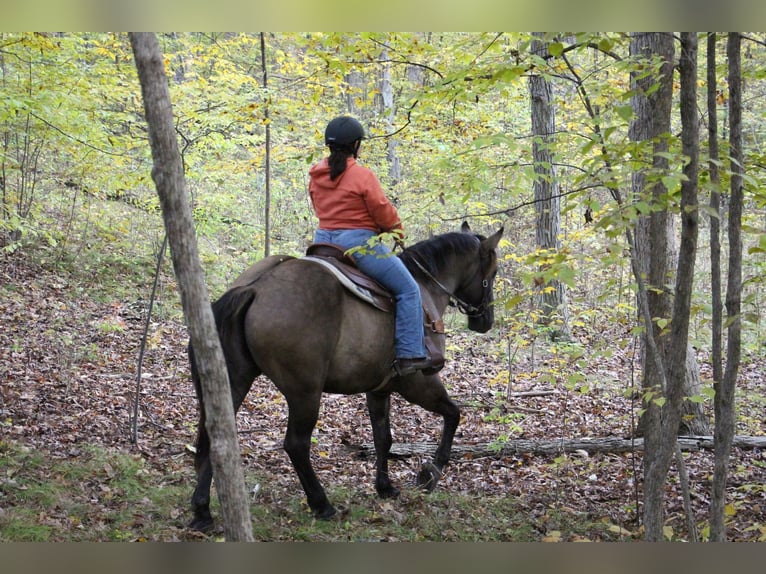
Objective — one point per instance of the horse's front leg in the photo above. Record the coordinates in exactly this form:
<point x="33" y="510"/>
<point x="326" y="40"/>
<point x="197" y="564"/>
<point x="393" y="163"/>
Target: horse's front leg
<point x="379" y="407"/>
<point x="429" y="393"/>
<point x="303" y="412"/>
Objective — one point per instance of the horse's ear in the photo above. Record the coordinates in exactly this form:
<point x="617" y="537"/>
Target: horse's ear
<point x="465" y="228"/>
<point x="490" y="243"/>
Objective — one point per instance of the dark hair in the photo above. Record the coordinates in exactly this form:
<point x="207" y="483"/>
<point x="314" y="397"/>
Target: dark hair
<point x="339" y="155"/>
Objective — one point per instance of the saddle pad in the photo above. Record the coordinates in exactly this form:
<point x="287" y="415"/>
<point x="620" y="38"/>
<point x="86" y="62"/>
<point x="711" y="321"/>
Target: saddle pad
<point x="365" y="294"/>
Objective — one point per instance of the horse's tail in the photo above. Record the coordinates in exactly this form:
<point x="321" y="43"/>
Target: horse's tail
<point x="229" y="312"/>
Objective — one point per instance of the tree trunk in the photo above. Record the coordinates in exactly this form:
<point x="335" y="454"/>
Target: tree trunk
<point x="715" y="209"/>
<point x="169" y="179"/>
<point x="724" y="391"/>
<point x="388" y="111"/>
<point x="355" y="90"/>
<point x="551" y="298"/>
<point x="655" y="234"/>
<point x="694" y="421"/>
<point x="267" y="159"/>
<point x="663" y="416"/>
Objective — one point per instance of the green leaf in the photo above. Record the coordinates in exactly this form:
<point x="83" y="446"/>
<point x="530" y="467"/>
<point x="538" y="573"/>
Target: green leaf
<point x="625" y="112"/>
<point x="556" y="49"/>
<point x="671" y="181"/>
<point x="513" y="301"/>
<point x="567" y="275"/>
<point x="605" y="44"/>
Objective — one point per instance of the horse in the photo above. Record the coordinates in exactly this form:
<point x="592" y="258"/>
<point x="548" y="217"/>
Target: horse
<point x="291" y="320"/>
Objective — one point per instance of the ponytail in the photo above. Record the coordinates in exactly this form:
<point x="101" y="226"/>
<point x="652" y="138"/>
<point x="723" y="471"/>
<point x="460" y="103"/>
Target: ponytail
<point x="339" y="154"/>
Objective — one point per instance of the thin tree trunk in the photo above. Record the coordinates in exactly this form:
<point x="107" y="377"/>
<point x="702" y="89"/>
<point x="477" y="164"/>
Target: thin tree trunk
<point x="724" y="395"/>
<point x="169" y="179"/>
<point x="267" y="160"/>
<point x="715" y="208"/>
<point x="662" y="429"/>
<point x="551" y="300"/>
<point x="652" y="110"/>
<point x="655" y="234"/>
<point x="388" y="111"/>
<point x="679" y="327"/>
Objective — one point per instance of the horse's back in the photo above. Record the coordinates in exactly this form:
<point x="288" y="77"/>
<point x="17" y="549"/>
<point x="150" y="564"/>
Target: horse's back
<point x="304" y="322"/>
<point x="257" y="269"/>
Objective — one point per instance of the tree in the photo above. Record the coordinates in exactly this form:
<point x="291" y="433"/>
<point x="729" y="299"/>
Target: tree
<point x="388" y="111"/>
<point x="715" y="210"/>
<point x="656" y="232"/>
<point x="267" y="160"/>
<point x="169" y="179"/>
<point x="724" y="390"/>
<point x="552" y="295"/>
<point x="664" y="377"/>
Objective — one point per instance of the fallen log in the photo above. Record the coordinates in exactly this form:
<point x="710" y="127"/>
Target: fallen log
<point x="590" y="445"/>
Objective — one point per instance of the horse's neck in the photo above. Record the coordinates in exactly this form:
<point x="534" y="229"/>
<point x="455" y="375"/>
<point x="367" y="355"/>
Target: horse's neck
<point x="439" y="288"/>
<point x="435" y="300"/>
<point x="442" y="285"/>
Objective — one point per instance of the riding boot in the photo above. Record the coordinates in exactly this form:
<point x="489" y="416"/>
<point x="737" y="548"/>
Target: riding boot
<point x="408" y="366"/>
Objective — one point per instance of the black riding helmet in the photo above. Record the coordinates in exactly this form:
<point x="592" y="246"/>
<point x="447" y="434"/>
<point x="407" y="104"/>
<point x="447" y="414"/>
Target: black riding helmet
<point x="343" y="130"/>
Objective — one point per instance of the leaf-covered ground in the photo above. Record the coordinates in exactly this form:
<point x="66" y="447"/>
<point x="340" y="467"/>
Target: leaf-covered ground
<point x="68" y="381"/>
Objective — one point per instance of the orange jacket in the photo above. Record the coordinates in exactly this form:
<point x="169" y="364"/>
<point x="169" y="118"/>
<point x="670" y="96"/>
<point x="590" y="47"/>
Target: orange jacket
<point x="354" y="200"/>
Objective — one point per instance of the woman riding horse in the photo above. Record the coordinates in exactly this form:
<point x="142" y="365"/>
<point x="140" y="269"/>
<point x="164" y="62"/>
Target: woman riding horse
<point x="353" y="210"/>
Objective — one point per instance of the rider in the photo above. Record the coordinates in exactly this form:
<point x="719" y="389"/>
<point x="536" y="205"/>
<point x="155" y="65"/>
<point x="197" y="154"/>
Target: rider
<point x="352" y="208"/>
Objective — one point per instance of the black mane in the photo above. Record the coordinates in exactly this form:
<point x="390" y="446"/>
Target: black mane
<point x="434" y="254"/>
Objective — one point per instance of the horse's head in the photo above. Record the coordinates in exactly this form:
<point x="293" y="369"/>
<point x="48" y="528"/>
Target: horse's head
<point x="474" y="296"/>
<point x="462" y="267"/>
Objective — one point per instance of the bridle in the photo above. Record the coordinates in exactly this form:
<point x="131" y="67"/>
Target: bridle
<point x="465" y="308"/>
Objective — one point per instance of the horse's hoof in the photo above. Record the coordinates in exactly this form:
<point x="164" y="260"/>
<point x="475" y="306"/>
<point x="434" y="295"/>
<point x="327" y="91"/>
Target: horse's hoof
<point x="327" y="513"/>
<point x="389" y="492"/>
<point x="429" y="476"/>
<point x="201" y="524"/>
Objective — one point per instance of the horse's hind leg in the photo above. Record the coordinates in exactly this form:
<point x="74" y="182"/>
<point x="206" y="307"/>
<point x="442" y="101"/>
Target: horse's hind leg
<point x="200" y="500"/>
<point x="379" y="407"/>
<point x="429" y="393"/>
<point x="303" y="412"/>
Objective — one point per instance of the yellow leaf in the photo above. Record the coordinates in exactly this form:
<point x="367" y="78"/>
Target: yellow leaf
<point x="729" y="510"/>
<point x="619" y="530"/>
<point x="553" y="536"/>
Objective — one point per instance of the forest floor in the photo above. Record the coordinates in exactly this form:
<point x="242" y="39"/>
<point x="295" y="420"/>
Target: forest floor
<point x="69" y="470"/>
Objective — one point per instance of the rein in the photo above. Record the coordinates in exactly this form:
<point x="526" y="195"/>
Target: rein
<point x="467" y="309"/>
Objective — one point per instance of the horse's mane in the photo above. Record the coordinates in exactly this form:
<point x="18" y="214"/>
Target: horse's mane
<point x="434" y="254"/>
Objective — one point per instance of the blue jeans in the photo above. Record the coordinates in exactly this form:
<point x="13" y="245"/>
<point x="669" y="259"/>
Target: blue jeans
<point x="381" y="264"/>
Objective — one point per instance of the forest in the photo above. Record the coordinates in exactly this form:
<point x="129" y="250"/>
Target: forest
<point x="619" y="395"/>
